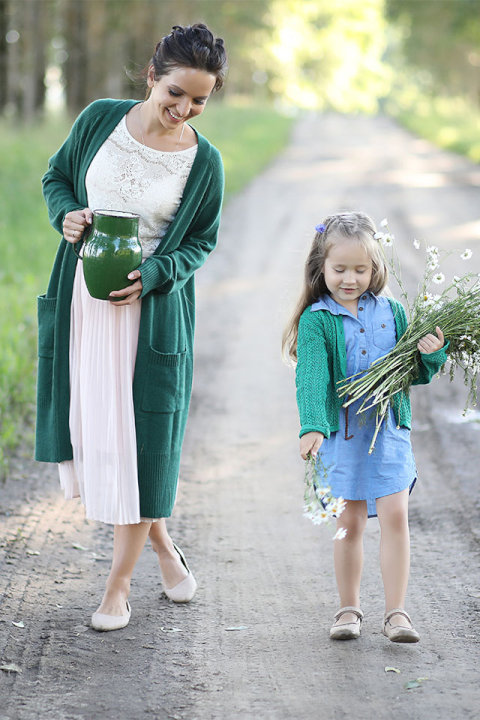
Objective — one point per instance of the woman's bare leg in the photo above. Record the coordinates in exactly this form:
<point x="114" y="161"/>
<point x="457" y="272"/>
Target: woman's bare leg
<point x="128" y="543"/>
<point x="173" y="572"/>
<point x="392" y="513"/>
<point x="348" y="555"/>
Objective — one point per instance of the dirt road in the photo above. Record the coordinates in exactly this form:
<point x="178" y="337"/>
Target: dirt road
<point x="254" y="642"/>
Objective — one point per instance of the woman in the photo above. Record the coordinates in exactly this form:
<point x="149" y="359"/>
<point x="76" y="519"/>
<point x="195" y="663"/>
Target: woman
<point x="114" y="377"/>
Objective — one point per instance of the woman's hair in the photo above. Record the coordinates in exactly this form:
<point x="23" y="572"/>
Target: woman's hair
<point x="192" y="46"/>
<point x="348" y="225"/>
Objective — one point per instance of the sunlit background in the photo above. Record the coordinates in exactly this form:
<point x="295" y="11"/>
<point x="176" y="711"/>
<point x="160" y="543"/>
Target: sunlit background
<point x="341" y="54"/>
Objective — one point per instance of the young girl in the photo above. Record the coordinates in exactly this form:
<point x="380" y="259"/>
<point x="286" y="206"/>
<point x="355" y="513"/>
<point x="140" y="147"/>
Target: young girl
<point x="342" y="324"/>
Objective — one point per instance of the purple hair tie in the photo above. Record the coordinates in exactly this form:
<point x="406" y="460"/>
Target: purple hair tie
<point x="320" y="228"/>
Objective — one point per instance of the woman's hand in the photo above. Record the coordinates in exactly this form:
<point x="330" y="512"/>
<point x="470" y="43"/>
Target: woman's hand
<point x="74" y="224"/>
<point x="130" y="293"/>
<point x="310" y="444"/>
<point x="431" y="343"/>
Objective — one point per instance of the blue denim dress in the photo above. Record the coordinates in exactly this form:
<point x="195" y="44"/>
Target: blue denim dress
<point x="352" y="472"/>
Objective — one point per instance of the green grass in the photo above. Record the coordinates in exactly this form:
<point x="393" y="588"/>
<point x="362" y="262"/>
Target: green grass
<point x="451" y="123"/>
<point x="248" y="138"/>
<point x="27" y="249"/>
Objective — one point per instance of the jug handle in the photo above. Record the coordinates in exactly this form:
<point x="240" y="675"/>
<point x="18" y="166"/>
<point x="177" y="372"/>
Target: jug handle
<point x="83" y="239"/>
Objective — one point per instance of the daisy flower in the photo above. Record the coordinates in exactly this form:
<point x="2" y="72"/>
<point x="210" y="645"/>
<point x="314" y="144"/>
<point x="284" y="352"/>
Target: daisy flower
<point x="439" y="278"/>
<point x="340" y="534"/>
<point x="428" y="299"/>
<point x="416" y="244"/>
<point x="387" y="239"/>
<point x="466" y="255"/>
<point x="384" y="223"/>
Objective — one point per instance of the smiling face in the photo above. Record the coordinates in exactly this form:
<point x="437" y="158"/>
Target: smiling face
<point x="178" y="96"/>
<point x="347" y="271"/>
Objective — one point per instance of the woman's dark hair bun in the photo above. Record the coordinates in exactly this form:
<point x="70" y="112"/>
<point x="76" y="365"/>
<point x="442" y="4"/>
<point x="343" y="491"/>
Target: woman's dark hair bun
<point x="191" y="46"/>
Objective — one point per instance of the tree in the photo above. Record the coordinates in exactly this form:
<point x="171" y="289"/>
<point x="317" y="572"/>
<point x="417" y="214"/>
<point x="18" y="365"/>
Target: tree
<point x="3" y="55"/>
<point x="442" y="40"/>
<point x="326" y="54"/>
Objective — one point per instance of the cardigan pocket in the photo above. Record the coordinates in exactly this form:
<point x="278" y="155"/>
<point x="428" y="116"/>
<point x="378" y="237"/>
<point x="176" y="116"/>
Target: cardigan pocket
<point x="46" y="338"/>
<point x="164" y="388"/>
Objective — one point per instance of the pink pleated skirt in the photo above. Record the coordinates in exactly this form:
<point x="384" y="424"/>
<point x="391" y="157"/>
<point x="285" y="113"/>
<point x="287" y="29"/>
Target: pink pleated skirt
<point x="103" y="347"/>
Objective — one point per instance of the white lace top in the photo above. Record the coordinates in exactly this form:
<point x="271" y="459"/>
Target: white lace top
<point x="126" y="175"/>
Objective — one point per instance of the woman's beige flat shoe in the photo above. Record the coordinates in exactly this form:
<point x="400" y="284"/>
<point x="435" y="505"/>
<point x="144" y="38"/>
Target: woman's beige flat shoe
<point x="347" y="630"/>
<point x="104" y="623"/>
<point x="399" y="633"/>
<point x="186" y="588"/>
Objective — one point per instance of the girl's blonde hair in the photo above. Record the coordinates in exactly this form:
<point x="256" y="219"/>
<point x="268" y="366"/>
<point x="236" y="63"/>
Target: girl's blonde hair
<point x="347" y="225"/>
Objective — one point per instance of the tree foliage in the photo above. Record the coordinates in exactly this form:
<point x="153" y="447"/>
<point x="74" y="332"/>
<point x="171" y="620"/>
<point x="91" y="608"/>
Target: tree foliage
<point x="327" y="54"/>
<point x="341" y="54"/>
<point x="441" y="40"/>
<point x="100" y="45"/>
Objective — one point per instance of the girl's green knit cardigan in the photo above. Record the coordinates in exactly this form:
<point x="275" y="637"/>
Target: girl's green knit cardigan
<point x="164" y="364"/>
<point x="322" y="363"/>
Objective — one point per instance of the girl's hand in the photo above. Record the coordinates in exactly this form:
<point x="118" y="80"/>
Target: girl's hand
<point x="431" y="343"/>
<point x="74" y="224"/>
<point x="310" y="444"/>
<point x="130" y="293"/>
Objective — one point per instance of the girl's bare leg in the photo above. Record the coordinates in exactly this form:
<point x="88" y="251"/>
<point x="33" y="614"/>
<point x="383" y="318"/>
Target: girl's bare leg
<point x="173" y="572"/>
<point x="128" y="543"/>
<point x="348" y="555"/>
<point x="392" y="513"/>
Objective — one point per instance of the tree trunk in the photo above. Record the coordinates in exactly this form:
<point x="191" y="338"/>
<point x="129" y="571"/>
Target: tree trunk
<point x="33" y="59"/>
<point x="76" y="66"/>
<point x="3" y="55"/>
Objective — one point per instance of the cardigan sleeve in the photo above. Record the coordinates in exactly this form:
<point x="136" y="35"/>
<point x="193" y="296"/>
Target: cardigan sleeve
<point x="430" y="364"/>
<point x="312" y="375"/>
<point x="167" y="273"/>
<point x="58" y="181"/>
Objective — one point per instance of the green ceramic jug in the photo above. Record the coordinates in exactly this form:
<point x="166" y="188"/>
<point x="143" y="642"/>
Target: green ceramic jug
<point x="111" y="251"/>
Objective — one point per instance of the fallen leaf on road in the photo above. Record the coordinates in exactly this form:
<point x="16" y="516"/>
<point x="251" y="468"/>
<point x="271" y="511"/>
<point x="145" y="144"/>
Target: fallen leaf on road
<point x="172" y="629"/>
<point x="18" y="624"/>
<point x="77" y="546"/>
<point x="11" y="667"/>
<point x="412" y="684"/>
<point x="80" y="629"/>
<point x="239" y="627"/>
<point x="392" y="669"/>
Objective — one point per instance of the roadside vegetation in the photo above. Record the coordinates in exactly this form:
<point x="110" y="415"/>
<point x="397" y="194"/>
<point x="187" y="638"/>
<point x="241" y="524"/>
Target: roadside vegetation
<point x="450" y="123"/>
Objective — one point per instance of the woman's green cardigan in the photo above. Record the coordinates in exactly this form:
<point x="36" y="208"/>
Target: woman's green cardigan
<point x="164" y="365"/>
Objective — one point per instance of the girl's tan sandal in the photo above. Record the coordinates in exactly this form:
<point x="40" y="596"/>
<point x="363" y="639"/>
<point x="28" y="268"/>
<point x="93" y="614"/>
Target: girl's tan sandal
<point x="347" y="630"/>
<point x="399" y="633"/>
